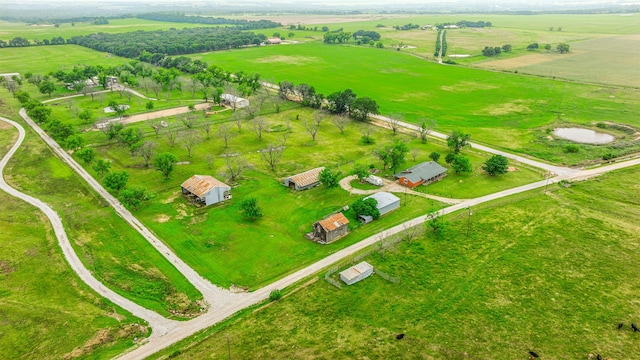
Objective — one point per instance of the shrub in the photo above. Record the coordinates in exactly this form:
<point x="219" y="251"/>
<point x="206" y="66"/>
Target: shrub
<point x="608" y="156"/>
<point x="275" y="295"/>
<point x="572" y="148"/>
<point x="601" y="125"/>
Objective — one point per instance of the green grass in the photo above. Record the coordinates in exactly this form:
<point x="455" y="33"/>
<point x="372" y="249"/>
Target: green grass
<point x="551" y="273"/>
<point x="456" y="97"/>
<point x="115" y="253"/>
<point x="41" y="298"/>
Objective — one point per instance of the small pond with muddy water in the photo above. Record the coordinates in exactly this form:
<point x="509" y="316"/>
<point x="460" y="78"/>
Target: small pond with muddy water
<point x="584" y="136"/>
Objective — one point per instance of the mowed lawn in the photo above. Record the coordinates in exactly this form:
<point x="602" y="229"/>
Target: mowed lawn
<point x="45" y="59"/>
<point x="551" y="273"/>
<point x="41" y="298"/>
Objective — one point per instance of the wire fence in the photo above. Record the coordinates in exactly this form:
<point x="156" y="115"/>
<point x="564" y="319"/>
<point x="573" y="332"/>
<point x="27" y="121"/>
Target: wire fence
<point x="389" y="278"/>
<point x="330" y="280"/>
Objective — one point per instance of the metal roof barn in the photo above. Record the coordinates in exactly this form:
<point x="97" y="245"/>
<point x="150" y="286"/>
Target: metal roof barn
<point x="356" y="273"/>
<point x="305" y="180"/>
<point x="386" y="201"/>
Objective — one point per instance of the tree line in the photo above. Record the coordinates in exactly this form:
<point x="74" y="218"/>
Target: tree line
<point x="240" y="24"/>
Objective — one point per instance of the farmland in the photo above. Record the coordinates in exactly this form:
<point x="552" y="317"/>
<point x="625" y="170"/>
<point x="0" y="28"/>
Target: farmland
<point x="551" y="272"/>
<point x="558" y="285"/>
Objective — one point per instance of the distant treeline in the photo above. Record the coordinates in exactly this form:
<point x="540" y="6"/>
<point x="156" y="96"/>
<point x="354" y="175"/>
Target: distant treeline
<point x="97" y="20"/>
<point x="168" y="42"/>
<point x="239" y="24"/>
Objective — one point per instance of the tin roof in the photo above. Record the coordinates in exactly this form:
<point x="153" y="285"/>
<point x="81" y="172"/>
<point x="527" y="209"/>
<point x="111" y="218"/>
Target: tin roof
<point x="422" y="171"/>
<point x="354" y="271"/>
<point x="200" y="185"/>
<point x="308" y="177"/>
<point x="333" y="222"/>
<point x="383" y="198"/>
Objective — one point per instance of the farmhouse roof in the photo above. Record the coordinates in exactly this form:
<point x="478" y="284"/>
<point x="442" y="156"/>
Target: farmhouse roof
<point x="333" y="222"/>
<point x="308" y="177"/>
<point x="230" y="97"/>
<point x="354" y="271"/>
<point x="200" y="185"/>
<point x="383" y="198"/>
<point x="422" y="171"/>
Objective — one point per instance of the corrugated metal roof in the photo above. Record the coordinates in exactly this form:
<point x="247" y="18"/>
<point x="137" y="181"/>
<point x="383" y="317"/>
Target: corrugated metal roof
<point x="354" y="271"/>
<point x="200" y="185"/>
<point x="333" y="222"/>
<point x="422" y="171"/>
<point x="308" y="177"/>
<point x="383" y="198"/>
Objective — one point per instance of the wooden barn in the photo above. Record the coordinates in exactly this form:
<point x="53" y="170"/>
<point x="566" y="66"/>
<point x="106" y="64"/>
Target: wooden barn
<point x="331" y="228"/>
<point x="305" y="180"/>
<point x="206" y="190"/>
<point x="423" y="173"/>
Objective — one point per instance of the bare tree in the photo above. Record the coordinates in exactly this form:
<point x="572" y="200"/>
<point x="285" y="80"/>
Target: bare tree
<point x="312" y="128"/>
<point x="272" y="155"/>
<point x="367" y="131"/>
<point x="259" y="124"/>
<point x="146" y="151"/>
<point x="425" y="129"/>
<point x="189" y="140"/>
<point x="193" y="86"/>
<point x="318" y="117"/>
<point x="157" y="127"/>
<point x="155" y="87"/>
<point x="394" y="122"/>
<point x="207" y="128"/>
<point x="224" y="133"/>
<point x="276" y="103"/>
<point x="172" y="134"/>
<point x="340" y="122"/>
<point x="235" y="164"/>
<point x="410" y="232"/>
<point x="100" y="97"/>
<point x="414" y="154"/>
<point x="239" y="119"/>
<point x="189" y="120"/>
<point x="284" y="136"/>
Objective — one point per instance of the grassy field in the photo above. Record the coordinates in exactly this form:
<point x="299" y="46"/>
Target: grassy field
<point x="113" y="251"/>
<point x="550" y="273"/>
<point x="40" y="298"/>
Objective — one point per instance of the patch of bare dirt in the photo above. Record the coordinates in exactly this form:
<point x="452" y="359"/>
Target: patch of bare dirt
<point x="171" y="198"/>
<point x="512" y="168"/>
<point x="6" y="267"/>
<point x="105" y="336"/>
<point x="162" y="218"/>
<point x="236" y="289"/>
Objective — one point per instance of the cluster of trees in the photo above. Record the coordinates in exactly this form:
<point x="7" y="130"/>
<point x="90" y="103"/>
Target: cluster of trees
<point x="408" y="26"/>
<point x="366" y="37"/>
<point x="302" y="27"/>
<point x="561" y="48"/>
<point x="360" y="37"/>
<point x="239" y="24"/>
<point x="340" y="102"/>
<point x="491" y="51"/>
<point x="464" y="23"/>
<point x="167" y="42"/>
<point x="441" y="44"/>
<point x="22" y="42"/>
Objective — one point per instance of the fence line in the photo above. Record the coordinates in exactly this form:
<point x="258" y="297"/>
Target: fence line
<point x="386" y="276"/>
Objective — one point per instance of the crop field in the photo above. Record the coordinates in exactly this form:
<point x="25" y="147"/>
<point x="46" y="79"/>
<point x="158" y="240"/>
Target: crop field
<point x="113" y="251"/>
<point x="550" y="273"/>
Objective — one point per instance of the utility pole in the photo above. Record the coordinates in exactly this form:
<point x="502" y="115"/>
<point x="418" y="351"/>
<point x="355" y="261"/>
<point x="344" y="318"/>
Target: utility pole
<point x="469" y="221"/>
<point x="547" y="175"/>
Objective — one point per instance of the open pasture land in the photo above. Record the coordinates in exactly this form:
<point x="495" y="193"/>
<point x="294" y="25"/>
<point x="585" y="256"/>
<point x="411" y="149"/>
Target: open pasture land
<point x="44" y="59"/>
<point x="481" y="102"/>
<point x="115" y="253"/>
<point x="550" y="273"/>
<point x="227" y="249"/>
<point x="41" y="299"/>
<point x="10" y="30"/>
<point x="607" y="60"/>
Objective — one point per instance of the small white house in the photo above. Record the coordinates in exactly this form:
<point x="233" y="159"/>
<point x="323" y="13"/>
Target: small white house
<point x="356" y="273"/>
<point x="206" y="190"/>
<point x="234" y="101"/>
<point x="374" y="180"/>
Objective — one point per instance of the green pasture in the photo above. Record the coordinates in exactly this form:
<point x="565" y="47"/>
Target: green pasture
<point x="222" y="246"/>
<point x="40" y="298"/>
<point x="10" y="30"/>
<point x="115" y="253"/>
<point x="551" y="273"/>
<point x="456" y="97"/>
<point x="44" y="59"/>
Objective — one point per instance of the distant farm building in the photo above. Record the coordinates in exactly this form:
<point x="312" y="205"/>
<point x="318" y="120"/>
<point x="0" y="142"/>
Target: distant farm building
<point x="234" y="101"/>
<point x="305" y="180"/>
<point x="331" y="228"/>
<point x="386" y="202"/>
<point x="206" y="190"/>
<point x="423" y="173"/>
<point x="274" y="41"/>
<point x="356" y="273"/>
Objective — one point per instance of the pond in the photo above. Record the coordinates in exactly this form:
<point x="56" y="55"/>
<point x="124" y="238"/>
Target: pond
<point x="584" y="136"/>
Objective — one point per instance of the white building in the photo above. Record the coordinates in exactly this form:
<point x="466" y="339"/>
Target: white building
<point x="234" y="101"/>
<point x="356" y="273"/>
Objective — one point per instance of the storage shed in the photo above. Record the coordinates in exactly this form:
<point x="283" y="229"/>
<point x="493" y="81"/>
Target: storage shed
<point x="331" y="228"/>
<point x="423" y="173"/>
<point x="206" y="190"/>
<point x="356" y="273"/>
<point x="386" y="202"/>
<point x="234" y="101"/>
<point x="305" y="180"/>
